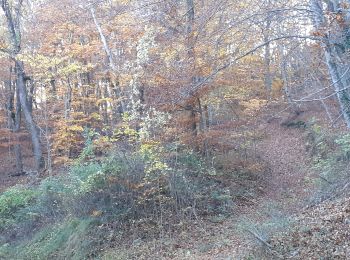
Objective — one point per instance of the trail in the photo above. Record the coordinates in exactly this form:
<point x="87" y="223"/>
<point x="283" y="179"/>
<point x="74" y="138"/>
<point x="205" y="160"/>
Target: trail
<point x="284" y="150"/>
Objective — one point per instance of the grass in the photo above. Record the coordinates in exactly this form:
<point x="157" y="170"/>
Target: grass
<point x="66" y="240"/>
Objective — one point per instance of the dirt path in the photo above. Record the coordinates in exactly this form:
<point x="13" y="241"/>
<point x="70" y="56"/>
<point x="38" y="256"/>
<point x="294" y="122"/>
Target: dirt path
<point x="285" y="152"/>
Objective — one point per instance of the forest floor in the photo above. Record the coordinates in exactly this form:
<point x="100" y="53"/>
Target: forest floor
<point x="289" y="186"/>
<point x="8" y="176"/>
<point x="284" y="151"/>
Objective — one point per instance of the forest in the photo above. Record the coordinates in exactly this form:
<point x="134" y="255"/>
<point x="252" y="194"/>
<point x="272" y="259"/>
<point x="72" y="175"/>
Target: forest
<point x="174" y="129"/>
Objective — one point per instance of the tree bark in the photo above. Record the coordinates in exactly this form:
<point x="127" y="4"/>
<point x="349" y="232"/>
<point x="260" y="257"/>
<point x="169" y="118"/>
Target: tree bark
<point x="340" y="85"/>
<point x="334" y="55"/>
<point x="16" y="130"/>
<point x="68" y="100"/>
<point x="191" y="61"/>
<point x="267" y="56"/>
<point x="14" y="122"/>
<point x="39" y="163"/>
<point x="112" y="65"/>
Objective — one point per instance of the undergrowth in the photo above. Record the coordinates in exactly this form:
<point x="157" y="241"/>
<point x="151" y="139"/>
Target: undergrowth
<point x="331" y="160"/>
<point x="141" y="190"/>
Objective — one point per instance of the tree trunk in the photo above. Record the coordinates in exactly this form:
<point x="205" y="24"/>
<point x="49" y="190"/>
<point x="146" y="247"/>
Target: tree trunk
<point x="16" y="130"/>
<point x="267" y="58"/>
<point x="334" y="56"/>
<point x="202" y="119"/>
<point x="30" y="94"/>
<point x="207" y="117"/>
<point x="53" y="89"/>
<point x="340" y="85"/>
<point x="112" y="65"/>
<point x="191" y="62"/>
<point x="14" y="29"/>
<point x="28" y="116"/>
<point x="68" y="100"/>
<point x="14" y="122"/>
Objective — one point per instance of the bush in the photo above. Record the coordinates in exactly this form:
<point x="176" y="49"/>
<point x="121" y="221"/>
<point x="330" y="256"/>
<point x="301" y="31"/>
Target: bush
<point x="130" y="190"/>
<point x="13" y="203"/>
<point x="331" y="157"/>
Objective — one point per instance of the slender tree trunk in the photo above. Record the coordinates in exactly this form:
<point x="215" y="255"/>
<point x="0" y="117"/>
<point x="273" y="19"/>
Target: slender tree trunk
<point x="334" y="56"/>
<point x="103" y="93"/>
<point x="340" y="85"/>
<point x="48" y="137"/>
<point x="284" y="76"/>
<point x="207" y="116"/>
<point x="28" y="116"/>
<point x="284" y="71"/>
<point x="14" y="122"/>
<point x="189" y="30"/>
<point x="324" y="104"/>
<point x="193" y="119"/>
<point x="112" y="65"/>
<point x="267" y="57"/>
<point x="30" y="94"/>
<point x="53" y="89"/>
<point x="191" y="61"/>
<point x="16" y="130"/>
<point x="68" y="100"/>
<point x="202" y="124"/>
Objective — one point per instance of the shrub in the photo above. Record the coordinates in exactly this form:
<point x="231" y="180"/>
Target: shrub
<point x="54" y="196"/>
<point x="12" y="205"/>
<point x="131" y="189"/>
<point x="331" y="155"/>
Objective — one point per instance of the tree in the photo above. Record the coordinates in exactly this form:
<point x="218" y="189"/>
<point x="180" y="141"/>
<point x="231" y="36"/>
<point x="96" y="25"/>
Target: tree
<point x="13" y="14"/>
<point x="333" y="28"/>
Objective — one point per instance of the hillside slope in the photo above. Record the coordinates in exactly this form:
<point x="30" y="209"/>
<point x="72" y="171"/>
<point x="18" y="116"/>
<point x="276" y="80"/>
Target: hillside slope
<point x="285" y="152"/>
